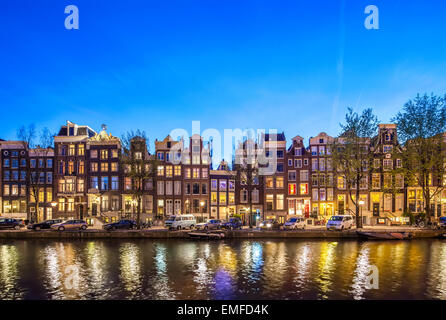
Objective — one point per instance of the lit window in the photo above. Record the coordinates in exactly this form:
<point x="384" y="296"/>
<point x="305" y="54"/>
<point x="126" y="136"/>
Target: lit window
<point x="292" y="189"/>
<point x="303" y="188"/>
<point x="279" y="183"/>
<point x="169" y="171"/>
<point x="269" y="182"/>
<point x="71" y="150"/>
<point x="81" y="149"/>
<point x="222" y="198"/>
<point x="104" y="166"/>
<point x="279" y="202"/>
<point x="104" y="154"/>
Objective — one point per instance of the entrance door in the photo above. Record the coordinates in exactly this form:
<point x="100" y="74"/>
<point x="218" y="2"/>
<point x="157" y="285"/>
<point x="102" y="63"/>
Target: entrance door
<point x="40" y="216"/>
<point x="341" y="207"/>
<point x="49" y="213"/>
<point x="376" y="209"/>
<point x="307" y="208"/>
<point x="94" y="209"/>
<point x="81" y="212"/>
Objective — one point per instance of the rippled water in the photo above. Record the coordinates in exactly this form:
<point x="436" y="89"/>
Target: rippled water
<point x="238" y="269"/>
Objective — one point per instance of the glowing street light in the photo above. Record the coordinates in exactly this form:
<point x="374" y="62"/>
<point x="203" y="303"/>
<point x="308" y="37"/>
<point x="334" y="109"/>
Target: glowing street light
<point x="202" y="205"/>
<point x="361" y="203"/>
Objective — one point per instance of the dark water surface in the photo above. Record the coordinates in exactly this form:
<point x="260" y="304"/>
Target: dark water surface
<point x="237" y="269"/>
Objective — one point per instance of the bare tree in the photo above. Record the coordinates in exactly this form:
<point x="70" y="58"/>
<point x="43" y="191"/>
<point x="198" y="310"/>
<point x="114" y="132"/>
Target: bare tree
<point x="350" y="155"/>
<point x="246" y="170"/>
<point x="28" y="135"/>
<point x="138" y="165"/>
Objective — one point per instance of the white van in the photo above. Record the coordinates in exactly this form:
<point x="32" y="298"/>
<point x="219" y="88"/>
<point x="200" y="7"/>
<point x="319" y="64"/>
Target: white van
<point x="178" y="222"/>
<point x="295" y="223"/>
<point x="340" y="222"/>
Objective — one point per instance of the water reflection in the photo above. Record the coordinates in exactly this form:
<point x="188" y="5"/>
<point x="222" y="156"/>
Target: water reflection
<point x="326" y="268"/>
<point x="234" y="269"/>
<point x="360" y="279"/>
<point x="96" y="271"/>
<point x="302" y="267"/>
<point x="9" y="274"/>
<point x="437" y="266"/>
<point x="161" y="277"/>
<point x="275" y="266"/>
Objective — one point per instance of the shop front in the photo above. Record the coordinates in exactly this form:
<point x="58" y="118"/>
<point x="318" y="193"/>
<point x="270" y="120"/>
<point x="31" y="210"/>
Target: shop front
<point x="247" y="217"/>
<point x="299" y="207"/>
<point x="321" y="212"/>
<point x="375" y="207"/>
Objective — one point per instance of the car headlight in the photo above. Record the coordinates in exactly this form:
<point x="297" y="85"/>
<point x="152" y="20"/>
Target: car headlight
<point x="261" y="224"/>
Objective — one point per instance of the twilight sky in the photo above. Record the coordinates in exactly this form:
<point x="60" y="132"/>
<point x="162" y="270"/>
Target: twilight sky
<point x="294" y="66"/>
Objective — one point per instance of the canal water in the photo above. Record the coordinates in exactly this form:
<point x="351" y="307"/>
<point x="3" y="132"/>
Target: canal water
<point x="232" y="269"/>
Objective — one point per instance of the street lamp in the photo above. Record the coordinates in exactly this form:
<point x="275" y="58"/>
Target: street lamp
<point x="202" y="205"/>
<point x="249" y="216"/>
<point x="133" y="207"/>
<point x="361" y="203"/>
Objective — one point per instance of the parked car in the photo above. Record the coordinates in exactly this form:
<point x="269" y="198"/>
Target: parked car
<point x="340" y="222"/>
<point x="442" y="223"/>
<point x="121" y="224"/>
<point x="21" y="222"/>
<point x="270" y="224"/>
<point x="7" y="223"/>
<point x="233" y="223"/>
<point x="146" y="225"/>
<point x="70" y="225"/>
<point x="295" y="223"/>
<point x="178" y="222"/>
<point x="43" y="225"/>
<point x="209" y="225"/>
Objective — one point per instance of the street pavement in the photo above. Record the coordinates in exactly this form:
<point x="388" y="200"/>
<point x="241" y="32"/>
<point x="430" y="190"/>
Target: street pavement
<point x="246" y="228"/>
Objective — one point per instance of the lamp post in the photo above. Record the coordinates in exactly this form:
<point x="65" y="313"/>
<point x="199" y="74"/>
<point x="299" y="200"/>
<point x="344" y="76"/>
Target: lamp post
<point x="249" y="216"/>
<point x="53" y="204"/>
<point x="201" y="209"/>
<point x="361" y="203"/>
<point x="133" y="208"/>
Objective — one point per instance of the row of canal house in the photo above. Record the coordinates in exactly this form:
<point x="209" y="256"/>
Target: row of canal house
<point x="304" y="183"/>
<point x="82" y="177"/>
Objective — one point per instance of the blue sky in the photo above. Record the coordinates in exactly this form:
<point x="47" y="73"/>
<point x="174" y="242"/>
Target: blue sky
<point x="157" y="65"/>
